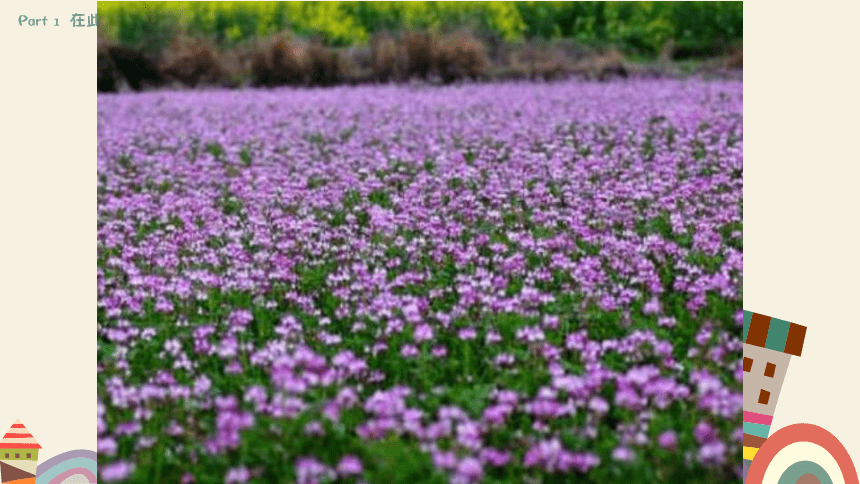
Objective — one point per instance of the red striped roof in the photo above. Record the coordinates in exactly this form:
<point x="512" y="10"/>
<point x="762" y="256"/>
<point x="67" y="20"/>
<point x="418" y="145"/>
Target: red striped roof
<point x="18" y="437"/>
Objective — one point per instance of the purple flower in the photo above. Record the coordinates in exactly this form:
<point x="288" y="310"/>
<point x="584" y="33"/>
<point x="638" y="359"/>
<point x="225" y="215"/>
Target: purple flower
<point x="145" y="442"/>
<point x="234" y="368"/>
<point x="704" y="433"/>
<point x="598" y="405"/>
<point x="239" y="475"/>
<point x="349" y="465"/>
<point x="552" y="457"/>
<point x="668" y="440"/>
<point x="530" y="334"/>
<point x="128" y="428"/>
<point x="444" y="460"/>
<point x="408" y="351"/>
<point x="469" y="435"/>
<point x="551" y="322"/>
<point x="239" y="319"/>
<point x="495" y="457"/>
<point x="106" y="446"/>
<point x="314" y="428"/>
<point x="174" y="429"/>
<point x="311" y="471"/>
<point x="116" y="471"/>
<point x="467" y="334"/>
<point x="202" y="385"/>
<point x="713" y="453"/>
<point x="172" y="347"/>
<point x="652" y="307"/>
<point x="469" y="471"/>
<point x="423" y="332"/>
<point x="623" y="454"/>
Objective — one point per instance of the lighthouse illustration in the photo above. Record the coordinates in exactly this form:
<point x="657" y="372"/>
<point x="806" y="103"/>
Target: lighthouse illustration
<point x="769" y="344"/>
<point x="800" y="452"/>
<point x="19" y="455"/>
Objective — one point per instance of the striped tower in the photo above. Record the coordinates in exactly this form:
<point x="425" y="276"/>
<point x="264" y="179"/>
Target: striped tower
<point x="19" y="455"/>
<point x="769" y="344"/>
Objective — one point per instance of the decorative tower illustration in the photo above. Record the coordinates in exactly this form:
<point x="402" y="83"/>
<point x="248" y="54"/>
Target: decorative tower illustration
<point x="19" y="455"/>
<point x="769" y="344"/>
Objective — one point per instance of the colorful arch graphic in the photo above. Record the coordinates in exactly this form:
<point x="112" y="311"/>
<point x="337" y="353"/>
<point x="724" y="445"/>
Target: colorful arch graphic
<point x="60" y="467"/>
<point x="799" y="433"/>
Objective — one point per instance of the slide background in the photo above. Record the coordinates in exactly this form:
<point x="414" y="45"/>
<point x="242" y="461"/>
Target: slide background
<point x="801" y="194"/>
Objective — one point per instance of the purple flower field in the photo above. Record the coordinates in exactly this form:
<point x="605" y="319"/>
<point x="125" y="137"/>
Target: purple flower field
<point x="498" y="283"/>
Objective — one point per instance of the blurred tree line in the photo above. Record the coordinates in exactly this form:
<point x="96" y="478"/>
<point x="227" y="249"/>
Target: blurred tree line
<point x="640" y="28"/>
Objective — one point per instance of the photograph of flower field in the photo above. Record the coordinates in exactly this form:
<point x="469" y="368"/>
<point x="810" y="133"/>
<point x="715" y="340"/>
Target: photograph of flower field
<point x="430" y="278"/>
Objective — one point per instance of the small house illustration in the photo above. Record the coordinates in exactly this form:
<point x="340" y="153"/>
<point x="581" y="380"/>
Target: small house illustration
<point x="769" y="344"/>
<point x="19" y="455"/>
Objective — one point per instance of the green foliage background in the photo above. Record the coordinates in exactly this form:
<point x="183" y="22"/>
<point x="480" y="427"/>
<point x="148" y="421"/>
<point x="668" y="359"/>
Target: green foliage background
<point x="639" y="27"/>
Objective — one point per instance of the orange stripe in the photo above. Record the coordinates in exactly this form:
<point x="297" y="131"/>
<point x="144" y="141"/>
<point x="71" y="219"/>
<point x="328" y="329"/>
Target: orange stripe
<point x="753" y="441"/>
<point x="29" y="480"/>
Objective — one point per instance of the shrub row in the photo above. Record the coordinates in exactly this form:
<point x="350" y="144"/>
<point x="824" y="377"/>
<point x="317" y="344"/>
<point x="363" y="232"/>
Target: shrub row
<point x="285" y="59"/>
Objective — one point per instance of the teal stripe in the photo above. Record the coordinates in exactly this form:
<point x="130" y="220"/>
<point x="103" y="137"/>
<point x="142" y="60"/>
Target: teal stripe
<point x="800" y="469"/>
<point x="758" y="430"/>
<point x="777" y="335"/>
<point x="747" y="319"/>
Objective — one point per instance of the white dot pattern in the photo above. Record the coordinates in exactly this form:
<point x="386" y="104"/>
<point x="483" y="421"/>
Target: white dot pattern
<point x="76" y="479"/>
